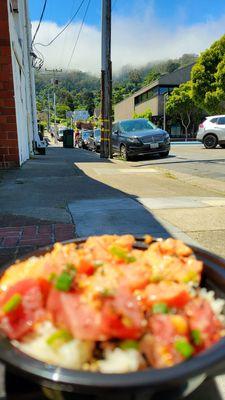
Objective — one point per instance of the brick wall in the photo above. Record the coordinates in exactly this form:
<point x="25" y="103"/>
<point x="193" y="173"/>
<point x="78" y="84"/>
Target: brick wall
<point x="9" y="154"/>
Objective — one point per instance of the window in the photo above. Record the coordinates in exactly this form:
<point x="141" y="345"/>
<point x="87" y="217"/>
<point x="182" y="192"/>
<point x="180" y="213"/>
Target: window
<point x="136" y="125"/>
<point x="115" y="127"/>
<point x="146" y="95"/>
<point x="214" y="120"/>
<point x="221" y="121"/>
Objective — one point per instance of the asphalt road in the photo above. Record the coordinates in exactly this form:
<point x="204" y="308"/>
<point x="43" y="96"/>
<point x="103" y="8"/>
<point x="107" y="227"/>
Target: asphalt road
<point x="191" y="159"/>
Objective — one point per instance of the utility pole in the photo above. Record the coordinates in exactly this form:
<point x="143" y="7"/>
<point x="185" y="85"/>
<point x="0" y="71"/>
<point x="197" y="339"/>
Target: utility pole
<point x="54" y="82"/>
<point x="106" y="82"/>
<point x="48" y="112"/>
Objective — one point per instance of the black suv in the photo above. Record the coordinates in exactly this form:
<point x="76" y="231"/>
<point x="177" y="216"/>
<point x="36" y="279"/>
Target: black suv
<point x="135" y="137"/>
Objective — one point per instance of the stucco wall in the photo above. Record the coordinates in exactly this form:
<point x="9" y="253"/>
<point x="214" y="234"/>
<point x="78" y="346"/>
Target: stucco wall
<point x="124" y="109"/>
<point x="9" y="153"/>
<point x="152" y="104"/>
<point x="18" y="124"/>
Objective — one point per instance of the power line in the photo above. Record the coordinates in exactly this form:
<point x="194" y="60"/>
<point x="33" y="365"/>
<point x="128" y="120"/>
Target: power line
<point x="65" y="27"/>
<point x="78" y="36"/>
<point x="62" y="52"/>
<point x="40" y="20"/>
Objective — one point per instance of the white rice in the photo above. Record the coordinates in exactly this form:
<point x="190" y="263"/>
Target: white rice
<point x="218" y="305"/>
<point x="72" y="354"/>
<point x="120" y="361"/>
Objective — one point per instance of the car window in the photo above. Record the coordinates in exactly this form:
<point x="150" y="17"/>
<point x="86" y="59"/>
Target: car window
<point x="97" y="133"/>
<point x="221" y="121"/>
<point x="115" y="127"/>
<point x="136" y="125"/>
<point x="214" y="120"/>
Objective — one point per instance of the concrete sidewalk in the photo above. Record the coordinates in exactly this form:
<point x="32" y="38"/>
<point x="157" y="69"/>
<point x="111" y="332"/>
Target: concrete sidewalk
<point x="74" y="192"/>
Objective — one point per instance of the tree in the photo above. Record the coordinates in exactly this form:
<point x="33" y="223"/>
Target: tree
<point x="146" y="114"/>
<point x="208" y="78"/>
<point x="180" y="105"/>
<point x="61" y="110"/>
<point x="172" y="66"/>
<point x="151" y="77"/>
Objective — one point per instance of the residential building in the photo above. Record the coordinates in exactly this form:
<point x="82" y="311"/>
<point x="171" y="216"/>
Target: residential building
<point x="152" y="96"/>
<point x="18" y="123"/>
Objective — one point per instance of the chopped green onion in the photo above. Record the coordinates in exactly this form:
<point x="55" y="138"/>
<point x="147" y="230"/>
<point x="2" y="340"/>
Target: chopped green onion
<point x="196" y="337"/>
<point x="129" y="344"/>
<point x="121" y="254"/>
<point x="13" y="303"/>
<point x="71" y="269"/>
<point x="98" y="264"/>
<point x="64" y="282"/>
<point x="58" y="338"/>
<point x="184" y="348"/>
<point x="160" y="308"/>
<point x="107" y="292"/>
<point x="52" y="277"/>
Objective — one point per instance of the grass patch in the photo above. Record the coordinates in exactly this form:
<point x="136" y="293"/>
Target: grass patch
<point x="169" y="175"/>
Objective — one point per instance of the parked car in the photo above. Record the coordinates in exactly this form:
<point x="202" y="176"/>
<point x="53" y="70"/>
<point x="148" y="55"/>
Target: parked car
<point x="59" y="134"/>
<point x="137" y="137"/>
<point x="211" y="132"/>
<point x="83" y="139"/>
<point x="94" y="140"/>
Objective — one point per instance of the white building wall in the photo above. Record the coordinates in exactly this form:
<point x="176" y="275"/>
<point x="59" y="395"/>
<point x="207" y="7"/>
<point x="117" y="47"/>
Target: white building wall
<point x="23" y="78"/>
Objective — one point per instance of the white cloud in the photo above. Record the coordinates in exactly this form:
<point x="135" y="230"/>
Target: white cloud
<point x="135" y="41"/>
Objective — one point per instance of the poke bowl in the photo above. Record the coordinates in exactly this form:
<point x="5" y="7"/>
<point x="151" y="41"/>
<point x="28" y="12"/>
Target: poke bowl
<point x="112" y="314"/>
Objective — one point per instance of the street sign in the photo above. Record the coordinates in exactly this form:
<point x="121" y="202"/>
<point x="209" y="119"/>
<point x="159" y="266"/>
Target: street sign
<point x="80" y="115"/>
<point x="69" y="114"/>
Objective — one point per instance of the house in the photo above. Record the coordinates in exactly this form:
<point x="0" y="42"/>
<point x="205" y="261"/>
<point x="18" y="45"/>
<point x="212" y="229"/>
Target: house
<point x="152" y="96"/>
<point x="18" y="123"/>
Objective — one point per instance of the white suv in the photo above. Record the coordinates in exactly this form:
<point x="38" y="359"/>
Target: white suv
<point x="211" y="132"/>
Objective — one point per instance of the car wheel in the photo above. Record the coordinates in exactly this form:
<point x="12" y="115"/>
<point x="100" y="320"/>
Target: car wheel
<point x="164" y="154"/>
<point x="222" y="145"/>
<point x="123" y="153"/>
<point x="210" y="141"/>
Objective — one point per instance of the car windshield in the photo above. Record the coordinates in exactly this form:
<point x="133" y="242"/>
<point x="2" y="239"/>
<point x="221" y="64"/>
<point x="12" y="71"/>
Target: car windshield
<point x="86" y="134"/>
<point x="136" y="125"/>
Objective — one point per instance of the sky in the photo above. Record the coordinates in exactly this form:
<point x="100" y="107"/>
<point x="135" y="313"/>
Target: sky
<point x="142" y="31"/>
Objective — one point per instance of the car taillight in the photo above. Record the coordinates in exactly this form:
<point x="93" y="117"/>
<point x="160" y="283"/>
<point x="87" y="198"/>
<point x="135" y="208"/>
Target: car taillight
<point x="201" y="125"/>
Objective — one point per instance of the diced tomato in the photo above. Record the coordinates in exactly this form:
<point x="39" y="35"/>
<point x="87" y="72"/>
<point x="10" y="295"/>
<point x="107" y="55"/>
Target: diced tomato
<point x="122" y="316"/>
<point x="203" y="320"/>
<point x="159" y="344"/>
<point x="171" y="293"/>
<point x="20" y="320"/>
<point x="80" y="318"/>
<point x="85" y="267"/>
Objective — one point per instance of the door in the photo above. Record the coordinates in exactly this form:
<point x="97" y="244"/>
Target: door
<point x="221" y="128"/>
<point x="115" y="138"/>
<point x="91" y="141"/>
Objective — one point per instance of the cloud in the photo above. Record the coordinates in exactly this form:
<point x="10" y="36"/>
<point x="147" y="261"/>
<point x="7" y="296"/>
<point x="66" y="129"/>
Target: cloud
<point x="136" y="41"/>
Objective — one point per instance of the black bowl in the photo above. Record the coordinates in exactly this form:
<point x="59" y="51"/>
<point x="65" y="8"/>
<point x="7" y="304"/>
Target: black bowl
<point x="176" y="382"/>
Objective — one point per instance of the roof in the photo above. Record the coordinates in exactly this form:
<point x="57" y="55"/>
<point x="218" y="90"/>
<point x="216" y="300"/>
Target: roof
<point x="174" y="78"/>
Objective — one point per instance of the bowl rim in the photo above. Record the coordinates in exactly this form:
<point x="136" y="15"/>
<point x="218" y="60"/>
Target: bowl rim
<point x="201" y="364"/>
